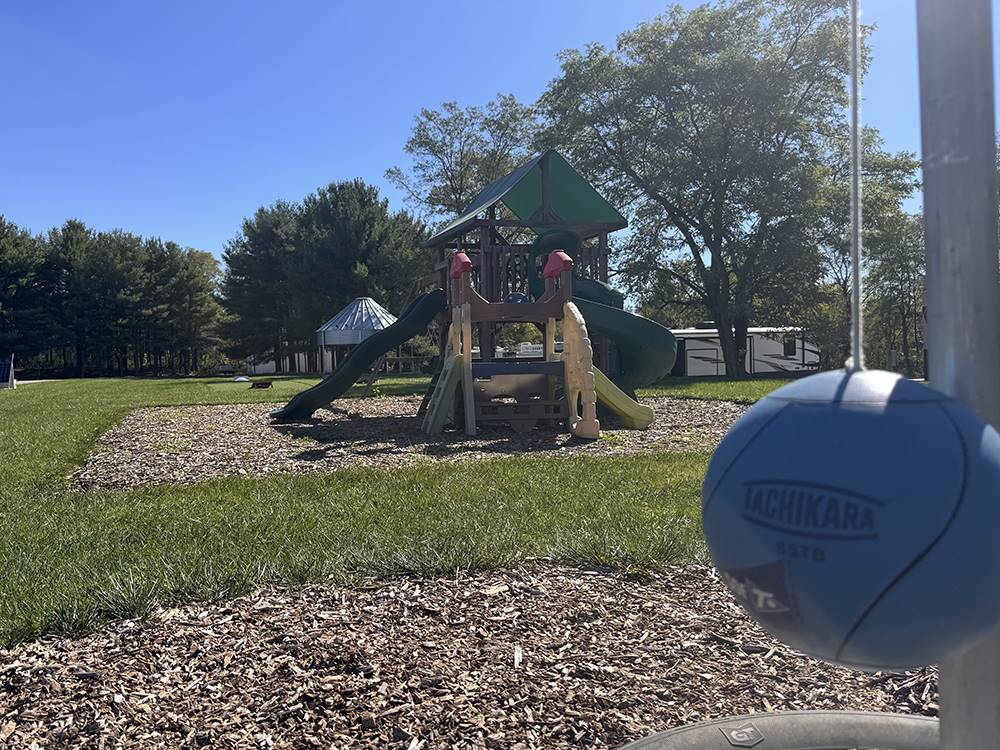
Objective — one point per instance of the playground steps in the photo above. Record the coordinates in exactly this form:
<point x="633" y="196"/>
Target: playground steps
<point x="426" y="400"/>
<point x="443" y="396"/>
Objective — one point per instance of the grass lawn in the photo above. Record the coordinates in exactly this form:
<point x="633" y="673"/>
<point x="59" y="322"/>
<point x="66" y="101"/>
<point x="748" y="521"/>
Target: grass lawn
<point x="71" y="560"/>
<point x="744" y="391"/>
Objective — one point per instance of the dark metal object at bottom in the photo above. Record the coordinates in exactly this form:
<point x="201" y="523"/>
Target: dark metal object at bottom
<point x="801" y="730"/>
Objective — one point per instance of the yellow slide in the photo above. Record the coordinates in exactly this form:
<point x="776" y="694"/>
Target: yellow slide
<point x="634" y="416"/>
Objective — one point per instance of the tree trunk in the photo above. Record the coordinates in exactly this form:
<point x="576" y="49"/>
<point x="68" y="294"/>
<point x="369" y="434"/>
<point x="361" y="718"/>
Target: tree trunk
<point x="904" y="325"/>
<point x="717" y="304"/>
<point x="740" y="327"/>
<point x="715" y="280"/>
<point x="80" y="356"/>
<point x="718" y="307"/>
<point x="727" y="342"/>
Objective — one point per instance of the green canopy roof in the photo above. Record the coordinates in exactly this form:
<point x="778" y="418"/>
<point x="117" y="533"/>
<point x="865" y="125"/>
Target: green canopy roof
<point x="564" y="200"/>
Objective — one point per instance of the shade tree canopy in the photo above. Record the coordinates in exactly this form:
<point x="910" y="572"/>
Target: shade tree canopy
<point x="708" y="125"/>
<point x="455" y="152"/>
<point x="721" y="132"/>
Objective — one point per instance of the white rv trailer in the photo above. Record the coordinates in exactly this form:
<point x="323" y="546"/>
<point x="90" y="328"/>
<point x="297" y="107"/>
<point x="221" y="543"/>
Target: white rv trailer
<point x="769" y="350"/>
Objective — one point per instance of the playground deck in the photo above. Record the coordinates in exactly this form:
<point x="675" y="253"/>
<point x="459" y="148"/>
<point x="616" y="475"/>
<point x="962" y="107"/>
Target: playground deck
<point x="187" y="444"/>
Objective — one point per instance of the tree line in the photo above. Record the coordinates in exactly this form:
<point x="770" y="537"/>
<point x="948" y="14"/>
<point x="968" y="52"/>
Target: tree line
<point x="81" y="302"/>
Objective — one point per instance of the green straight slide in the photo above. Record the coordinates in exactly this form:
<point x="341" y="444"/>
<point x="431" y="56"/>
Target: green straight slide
<point x="412" y="322"/>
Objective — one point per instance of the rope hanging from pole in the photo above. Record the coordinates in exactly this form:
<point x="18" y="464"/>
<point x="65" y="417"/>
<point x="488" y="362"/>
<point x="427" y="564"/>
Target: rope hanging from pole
<point x="857" y="360"/>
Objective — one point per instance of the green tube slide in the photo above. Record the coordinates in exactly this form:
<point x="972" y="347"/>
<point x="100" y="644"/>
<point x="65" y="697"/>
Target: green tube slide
<point x="412" y="322"/>
<point x="646" y="349"/>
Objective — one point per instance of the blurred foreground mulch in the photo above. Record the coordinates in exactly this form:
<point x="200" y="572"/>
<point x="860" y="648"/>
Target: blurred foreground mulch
<point x="545" y="657"/>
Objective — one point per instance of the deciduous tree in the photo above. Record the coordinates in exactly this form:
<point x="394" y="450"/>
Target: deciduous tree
<point x="455" y="152"/>
<point x="707" y="126"/>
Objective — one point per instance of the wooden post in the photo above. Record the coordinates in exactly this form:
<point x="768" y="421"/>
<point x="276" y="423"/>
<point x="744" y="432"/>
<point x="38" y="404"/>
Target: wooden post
<point x="468" y="396"/>
<point x="442" y="256"/>
<point x="461" y="338"/>
<point x="487" y="260"/>
<point x="602" y="260"/>
<point x="601" y="344"/>
<point x="445" y="282"/>
<point x="549" y="351"/>
<point x="503" y="260"/>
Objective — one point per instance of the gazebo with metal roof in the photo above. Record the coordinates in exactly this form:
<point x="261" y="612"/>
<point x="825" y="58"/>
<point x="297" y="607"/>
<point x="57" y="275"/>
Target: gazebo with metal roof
<point x="497" y="227"/>
<point x="352" y="325"/>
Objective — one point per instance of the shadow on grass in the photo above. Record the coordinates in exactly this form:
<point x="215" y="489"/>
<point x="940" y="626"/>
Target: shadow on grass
<point x="374" y="436"/>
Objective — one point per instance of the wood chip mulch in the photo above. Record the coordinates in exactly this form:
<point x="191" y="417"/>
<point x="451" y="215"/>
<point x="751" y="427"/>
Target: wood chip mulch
<point x="543" y="657"/>
<point x="186" y="444"/>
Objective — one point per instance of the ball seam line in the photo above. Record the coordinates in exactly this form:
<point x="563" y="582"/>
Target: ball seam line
<point x="916" y="561"/>
<point x="851" y="402"/>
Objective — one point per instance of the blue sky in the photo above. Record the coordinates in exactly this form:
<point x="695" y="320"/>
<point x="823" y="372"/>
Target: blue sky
<point x="178" y="119"/>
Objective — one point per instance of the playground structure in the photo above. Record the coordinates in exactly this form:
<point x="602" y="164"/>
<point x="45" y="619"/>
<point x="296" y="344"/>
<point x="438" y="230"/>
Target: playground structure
<point x="488" y="260"/>
<point x="498" y="228"/>
<point x="522" y="393"/>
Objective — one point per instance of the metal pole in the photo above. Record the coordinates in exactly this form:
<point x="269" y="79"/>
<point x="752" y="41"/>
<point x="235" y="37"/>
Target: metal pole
<point x="963" y="286"/>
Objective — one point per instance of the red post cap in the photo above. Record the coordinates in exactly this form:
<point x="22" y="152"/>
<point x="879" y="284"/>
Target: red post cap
<point x="556" y="264"/>
<point x="460" y="263"/>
